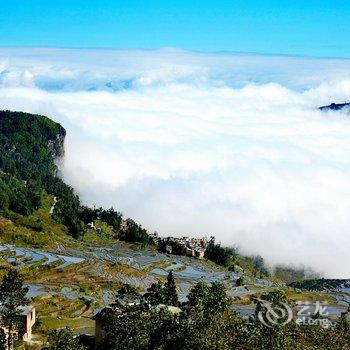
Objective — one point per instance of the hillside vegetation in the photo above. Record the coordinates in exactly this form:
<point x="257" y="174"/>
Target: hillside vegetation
<point x="30" y="146"/>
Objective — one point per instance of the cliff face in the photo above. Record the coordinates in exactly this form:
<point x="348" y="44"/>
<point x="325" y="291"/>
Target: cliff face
<point x="56" y="145"/>
<point x="29" y="145"/>
<point x="28" y="133"/>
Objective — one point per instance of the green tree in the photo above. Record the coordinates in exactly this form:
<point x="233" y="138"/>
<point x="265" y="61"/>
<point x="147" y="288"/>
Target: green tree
<point x="126" y="295"/>
<point x="259" y="266"/>
<point x="217" y="299"/>
<point x="134" y="232"/>
<point x="155" y="294"/>
<point x="170" y="292"/>
<point x="240" y="282"/>
<point x="12" y="297"/>
<point x="208" y="299"/>
<point x="342" y="330"/>
<point x="126" y="329"/>
<point x="207" y="321"/>
<point x="64" y="339"/>
<point x="276" y="335"/>
<point x="127" y="291"/>
<point x="197" y="295"/>
<point x="164" y="330"/>
<point x="220" y="255"/>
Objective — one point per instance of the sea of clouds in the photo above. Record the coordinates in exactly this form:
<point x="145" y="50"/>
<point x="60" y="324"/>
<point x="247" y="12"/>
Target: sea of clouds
<point x="200" y="144"/>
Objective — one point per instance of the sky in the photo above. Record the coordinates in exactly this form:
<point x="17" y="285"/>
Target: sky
<point x="187" y="143"/>
<point x="312" y="28"/>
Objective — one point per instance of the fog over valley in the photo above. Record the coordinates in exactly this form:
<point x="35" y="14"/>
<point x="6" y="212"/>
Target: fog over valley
<point x="225" y="144"/>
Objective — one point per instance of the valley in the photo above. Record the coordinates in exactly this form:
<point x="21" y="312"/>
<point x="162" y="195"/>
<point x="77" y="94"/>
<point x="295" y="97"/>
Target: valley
<point x="70" y="280"/>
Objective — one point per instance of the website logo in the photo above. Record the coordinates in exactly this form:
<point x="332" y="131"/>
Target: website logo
<point x="274" y="314"/>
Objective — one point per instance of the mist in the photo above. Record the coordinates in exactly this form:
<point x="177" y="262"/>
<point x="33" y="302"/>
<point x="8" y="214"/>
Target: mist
<point x="186" y="143"/>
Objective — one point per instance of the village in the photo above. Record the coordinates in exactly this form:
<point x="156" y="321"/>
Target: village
<point x="191" y="247"/>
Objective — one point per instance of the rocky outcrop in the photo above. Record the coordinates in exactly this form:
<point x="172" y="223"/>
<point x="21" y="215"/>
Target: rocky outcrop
<point x="56" y="145"/>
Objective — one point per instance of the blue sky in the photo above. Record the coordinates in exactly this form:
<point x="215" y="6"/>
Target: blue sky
<point x="315" y="28"/>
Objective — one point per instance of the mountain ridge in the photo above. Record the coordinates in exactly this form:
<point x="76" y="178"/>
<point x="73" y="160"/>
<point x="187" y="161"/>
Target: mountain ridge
<point x="334" y="106"/>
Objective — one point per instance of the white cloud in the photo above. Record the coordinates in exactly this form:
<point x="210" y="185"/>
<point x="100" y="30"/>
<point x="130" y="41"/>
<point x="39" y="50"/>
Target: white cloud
<point x="190" y="143"/>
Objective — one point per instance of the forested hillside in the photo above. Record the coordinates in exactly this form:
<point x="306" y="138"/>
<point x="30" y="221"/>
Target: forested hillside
<point x="30" y="145"/>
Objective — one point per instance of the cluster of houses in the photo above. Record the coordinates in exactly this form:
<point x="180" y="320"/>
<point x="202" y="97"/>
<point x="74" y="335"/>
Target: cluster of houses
<point x="194" y="247"/>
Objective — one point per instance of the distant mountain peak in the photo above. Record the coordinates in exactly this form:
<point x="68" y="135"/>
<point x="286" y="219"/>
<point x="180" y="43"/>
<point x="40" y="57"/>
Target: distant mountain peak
<point x="335" y="106"/>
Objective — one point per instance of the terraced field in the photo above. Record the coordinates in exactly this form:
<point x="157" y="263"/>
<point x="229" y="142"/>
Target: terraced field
<point x="70" y="280"/>
<point x="69" y="284"/>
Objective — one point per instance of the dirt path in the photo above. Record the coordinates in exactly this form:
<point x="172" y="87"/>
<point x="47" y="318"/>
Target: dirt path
<point x="54" y="203"/>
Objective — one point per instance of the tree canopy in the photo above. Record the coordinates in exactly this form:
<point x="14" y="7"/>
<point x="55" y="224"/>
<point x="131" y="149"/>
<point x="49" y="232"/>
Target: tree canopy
<point x="12" y="297"/>
<point x="207" y="321"/>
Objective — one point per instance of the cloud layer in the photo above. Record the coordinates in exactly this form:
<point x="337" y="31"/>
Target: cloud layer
<point x="201" y="144"/>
